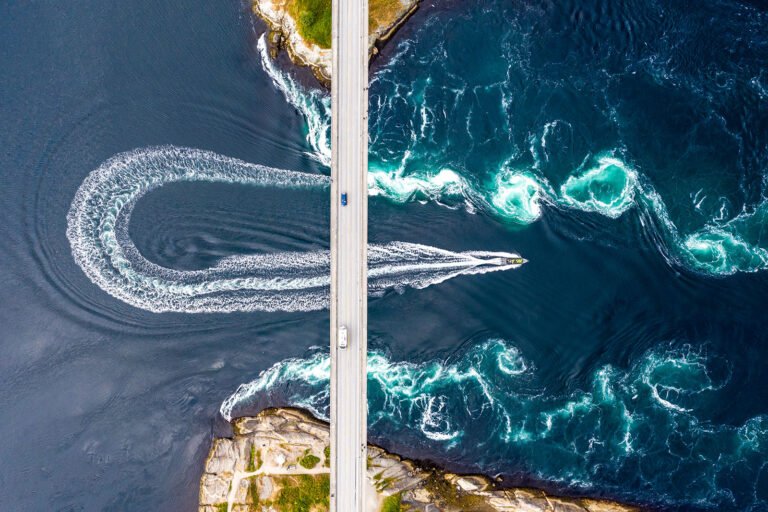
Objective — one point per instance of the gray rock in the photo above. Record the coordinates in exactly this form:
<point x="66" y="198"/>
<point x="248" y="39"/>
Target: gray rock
<point x="283" y="437"/>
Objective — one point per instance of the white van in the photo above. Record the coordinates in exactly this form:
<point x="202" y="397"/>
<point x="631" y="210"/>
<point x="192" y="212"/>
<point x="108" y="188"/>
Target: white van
<point x="343" y="337"/>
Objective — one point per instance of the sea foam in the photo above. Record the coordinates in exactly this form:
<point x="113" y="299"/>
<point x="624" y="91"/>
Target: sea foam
<point x="607" y="189"/>
<point x="487" y="404"/>
<point x="605" y="185"/>
<point x="288" y="281"/>
<point x="314" y="105"/>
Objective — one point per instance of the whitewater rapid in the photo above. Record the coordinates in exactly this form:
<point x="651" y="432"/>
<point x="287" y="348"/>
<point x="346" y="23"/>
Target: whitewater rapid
<point x="605" y="184"/>
<point x="285" y="281"/>
<point x="487" y="403"/>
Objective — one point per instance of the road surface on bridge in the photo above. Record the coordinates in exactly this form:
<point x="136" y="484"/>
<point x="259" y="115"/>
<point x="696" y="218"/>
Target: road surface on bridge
<point x="349" y="239"/>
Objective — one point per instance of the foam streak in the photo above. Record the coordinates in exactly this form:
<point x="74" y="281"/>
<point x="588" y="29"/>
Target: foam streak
<point x="486" y="404"/>
<point x="287" y="281"/>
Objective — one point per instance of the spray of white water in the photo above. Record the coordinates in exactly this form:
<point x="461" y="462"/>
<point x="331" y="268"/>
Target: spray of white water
<point x="287" y="281"/>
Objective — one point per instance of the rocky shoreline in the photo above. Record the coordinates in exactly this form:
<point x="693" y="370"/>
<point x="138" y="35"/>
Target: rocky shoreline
<point x="283" y="34"/>
<point x="280" y="458"/>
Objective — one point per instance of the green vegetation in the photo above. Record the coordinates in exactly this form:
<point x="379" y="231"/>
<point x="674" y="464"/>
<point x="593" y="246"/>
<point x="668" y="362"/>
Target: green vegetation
<point x="253" y="491"/>
<point x="381" y="483"/>
<point x="327" y="453"/>
<point x="446" y="494"/>
<point x="304" y="493"/>
<point x="313" y="20"/>
<point x="382" y="13"/>
<point x="309" y="460"/>
<point x="251" y="460"/>
<point x="254" y="461"/>
<point x="393" y="503"/>
<point x="221" y="507"/>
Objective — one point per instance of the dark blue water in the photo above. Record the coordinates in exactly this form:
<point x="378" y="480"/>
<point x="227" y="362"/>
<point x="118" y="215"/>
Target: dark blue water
<point x="620" y="147"/>
<point x="105" y="406"/>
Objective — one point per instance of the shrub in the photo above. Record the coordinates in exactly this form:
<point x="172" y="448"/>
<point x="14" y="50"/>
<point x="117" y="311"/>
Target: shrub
<point x="309" y="461"/>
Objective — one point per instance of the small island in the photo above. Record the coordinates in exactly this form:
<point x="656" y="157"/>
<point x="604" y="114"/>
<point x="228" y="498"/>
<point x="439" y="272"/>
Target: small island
<point x="303" y="29"/>
<point x="279" y="461"/>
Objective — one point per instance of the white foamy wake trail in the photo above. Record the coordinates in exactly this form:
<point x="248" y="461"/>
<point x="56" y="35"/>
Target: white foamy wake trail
<point x="287" y="281"/>
<point x="314" y="105"/>
<point x="605" y="184"/>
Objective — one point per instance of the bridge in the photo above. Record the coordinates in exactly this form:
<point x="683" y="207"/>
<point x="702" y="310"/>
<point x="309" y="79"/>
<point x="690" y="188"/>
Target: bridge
<point x="349" y="239"/>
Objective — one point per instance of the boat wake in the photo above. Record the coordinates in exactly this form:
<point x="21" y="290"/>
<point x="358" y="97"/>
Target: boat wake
<point x="406" y="164"/>
<point x="286" y="281"/>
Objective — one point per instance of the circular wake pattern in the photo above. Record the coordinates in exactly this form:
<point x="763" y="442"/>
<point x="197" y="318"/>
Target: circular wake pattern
<point x="287" y="281"/>
<point x="486" y="405"/>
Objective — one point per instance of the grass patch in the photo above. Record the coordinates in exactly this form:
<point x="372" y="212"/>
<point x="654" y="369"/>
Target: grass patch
<point x="221" y="507"/>
<point x="383" y="483"/>
<point x="393" y="503"/>
<point x="253" y="491"/>
<point x="309" y="461"/>
<point x="382" y="13"/>
<point x="304" y="493"/>
<point x="252" y="460"/>
<point x="447" y="494"/>
<point x="313" y="19"/>
<point x="327" y="453"/>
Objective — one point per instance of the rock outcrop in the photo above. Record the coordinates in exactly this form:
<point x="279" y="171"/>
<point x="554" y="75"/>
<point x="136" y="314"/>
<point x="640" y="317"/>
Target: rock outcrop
<point x="280" y="458"/>
<point x="386" y="16"/>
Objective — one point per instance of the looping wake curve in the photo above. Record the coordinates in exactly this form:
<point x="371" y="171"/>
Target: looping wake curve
<point x="97" y="229"/>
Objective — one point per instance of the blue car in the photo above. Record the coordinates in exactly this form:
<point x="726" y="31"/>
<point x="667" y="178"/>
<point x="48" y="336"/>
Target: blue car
<point x="344" y="199"/>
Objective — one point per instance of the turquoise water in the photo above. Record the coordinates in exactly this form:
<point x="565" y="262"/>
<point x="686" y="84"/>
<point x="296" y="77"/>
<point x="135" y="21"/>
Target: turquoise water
<point x="624" y="129"/>
<point x="521" y="127"/>
<point x="628" y="427"/>
<point x="620" y="147"/>
<point x="98" y="229"/>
